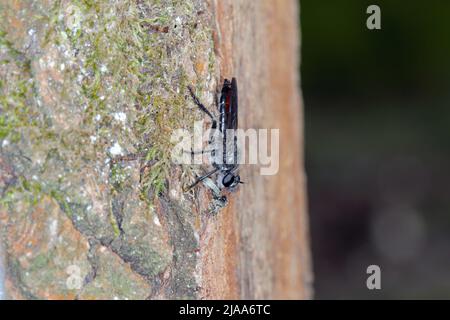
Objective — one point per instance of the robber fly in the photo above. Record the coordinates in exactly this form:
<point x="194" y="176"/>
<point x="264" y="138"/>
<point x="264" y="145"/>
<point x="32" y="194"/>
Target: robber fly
<point x="223" y="145"/>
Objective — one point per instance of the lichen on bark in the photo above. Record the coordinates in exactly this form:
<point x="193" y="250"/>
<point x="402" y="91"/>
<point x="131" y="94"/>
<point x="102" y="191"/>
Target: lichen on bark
<point x="90" y="92"/>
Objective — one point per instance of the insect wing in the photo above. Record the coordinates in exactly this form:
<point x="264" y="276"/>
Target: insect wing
<point x="234" y="104"/>
<point x="230" y="104"/>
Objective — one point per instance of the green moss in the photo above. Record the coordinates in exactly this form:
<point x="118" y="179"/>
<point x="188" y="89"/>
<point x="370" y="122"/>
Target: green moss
<point x="63" y="203"/>
<point x="120" y="62"/>
<point x="114" y="223"/>
<point x="8" y="198"/>
<point x="122" y="40"/>
<point x="40" y="262"/>
<point x="14" y="93"/>
<point x="118" y="176"/>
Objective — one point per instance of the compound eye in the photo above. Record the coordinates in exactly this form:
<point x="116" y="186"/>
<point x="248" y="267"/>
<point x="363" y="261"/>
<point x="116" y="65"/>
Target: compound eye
<point x="228" y="180"/>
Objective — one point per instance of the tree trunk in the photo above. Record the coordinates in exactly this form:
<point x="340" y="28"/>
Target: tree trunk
<point x="92" y="207"/>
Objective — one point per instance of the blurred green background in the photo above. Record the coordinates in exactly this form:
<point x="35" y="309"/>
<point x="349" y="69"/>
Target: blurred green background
<point x="377" y="128"/>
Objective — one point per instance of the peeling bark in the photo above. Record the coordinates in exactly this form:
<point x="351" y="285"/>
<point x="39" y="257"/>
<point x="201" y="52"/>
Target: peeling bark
<point x="91" y="205"/>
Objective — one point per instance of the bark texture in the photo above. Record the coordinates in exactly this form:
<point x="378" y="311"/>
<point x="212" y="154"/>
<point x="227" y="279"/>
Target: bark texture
<point x="92" y="206"/>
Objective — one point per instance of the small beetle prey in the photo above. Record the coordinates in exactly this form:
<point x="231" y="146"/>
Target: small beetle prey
<point x="223" y="143"/>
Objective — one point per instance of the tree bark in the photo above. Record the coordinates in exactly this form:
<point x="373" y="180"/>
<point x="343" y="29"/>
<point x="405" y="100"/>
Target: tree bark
<point x="92" y="207"/>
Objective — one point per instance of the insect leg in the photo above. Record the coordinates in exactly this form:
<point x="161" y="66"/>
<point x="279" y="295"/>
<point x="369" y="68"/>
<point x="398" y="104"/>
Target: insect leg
<point x="235" y="151"/>
<point x="134" y="157"/>
<point x="200" y="179"/>
<point x="128" y="157"/>
<point x="193" y="153"/>
<point x="217" y="100"/>
<point x="198" y="152"/>
<point x="202" y="107"/>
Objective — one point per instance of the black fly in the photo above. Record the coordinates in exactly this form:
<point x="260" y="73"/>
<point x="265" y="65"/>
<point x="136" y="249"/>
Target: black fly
<point x="224" y="150"/>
